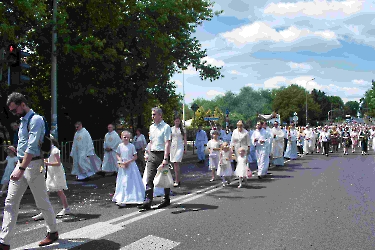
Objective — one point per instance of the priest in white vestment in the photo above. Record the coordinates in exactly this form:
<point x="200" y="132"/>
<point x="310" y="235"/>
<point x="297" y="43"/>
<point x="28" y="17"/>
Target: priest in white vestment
<point x="261" y="140"/>
<point x="277" y="152"/>
<point x="85" y="162"/>
<point x="111" y="142"/>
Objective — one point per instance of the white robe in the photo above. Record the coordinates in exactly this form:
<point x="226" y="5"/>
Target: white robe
<point x="277" y="143"/>
<point x="111" y="140"/>
<point x="309" y="144"/>
<point x="85" y="162"/>
<point x="262" y="150"/>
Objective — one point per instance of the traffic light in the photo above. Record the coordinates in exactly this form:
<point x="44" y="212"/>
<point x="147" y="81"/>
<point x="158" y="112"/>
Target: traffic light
<point x="16" y="60"/>
<point x="12" y="55"/>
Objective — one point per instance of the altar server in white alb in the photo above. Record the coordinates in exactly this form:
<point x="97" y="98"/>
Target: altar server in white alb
<point x="309" y="143"/>
<point x="200" y="142"/>
<point x="111" y="142"/>
<point x="277" y="151"/>
<point x="261" y="140"/>
<point x="85" y="162"/>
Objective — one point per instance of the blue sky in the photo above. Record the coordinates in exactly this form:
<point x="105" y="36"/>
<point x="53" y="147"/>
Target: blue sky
<point x="269" y="44"/>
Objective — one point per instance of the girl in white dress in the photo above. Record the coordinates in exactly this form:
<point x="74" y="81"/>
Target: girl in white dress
<point x="178" y="148"/>
<point x="225" y="168"/>
<point x="129" y="185"/>
<point x="242" y="166"/>
<point x="213" y="147"/>
<point x="56" y="180"/>
<point x="11" y="161"/>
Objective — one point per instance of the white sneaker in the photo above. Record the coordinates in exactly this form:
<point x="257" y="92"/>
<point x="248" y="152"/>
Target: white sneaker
<point x="63" y="212"/>
<point x="38" y="217"/>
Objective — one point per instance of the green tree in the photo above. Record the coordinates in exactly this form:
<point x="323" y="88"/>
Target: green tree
<point x="321" y="98"/>
<point x="368" y="101"/>
<point x="113" y="56"/>
<point x="351" y="108"/>
<point x="293" y="99"/>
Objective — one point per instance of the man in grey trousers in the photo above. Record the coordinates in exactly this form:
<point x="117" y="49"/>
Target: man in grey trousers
<point x="160" y="143"/>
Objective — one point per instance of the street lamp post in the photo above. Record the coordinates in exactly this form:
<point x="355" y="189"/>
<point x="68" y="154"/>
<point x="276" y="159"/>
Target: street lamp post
<point x="306" y="96"/>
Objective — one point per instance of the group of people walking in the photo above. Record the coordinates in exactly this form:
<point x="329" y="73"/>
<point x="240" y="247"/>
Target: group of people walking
<point x="26" y="166"/>
<point x="266" y="146"/>
<point x="136" y="162"/>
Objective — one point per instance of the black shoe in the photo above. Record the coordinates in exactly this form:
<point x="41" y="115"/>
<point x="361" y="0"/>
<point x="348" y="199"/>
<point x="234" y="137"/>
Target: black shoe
<point x="145" y="206"/>
<point x="165" y="203"/>
<point x="176" y="184"/>
<point x="260" y="177"/>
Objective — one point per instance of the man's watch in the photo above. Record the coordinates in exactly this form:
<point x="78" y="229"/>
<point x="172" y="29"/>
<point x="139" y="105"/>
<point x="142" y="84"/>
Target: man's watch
<point x="21" y="168"/>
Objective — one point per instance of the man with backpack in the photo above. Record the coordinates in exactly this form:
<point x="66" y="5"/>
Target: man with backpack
<point x="29" y="171"/>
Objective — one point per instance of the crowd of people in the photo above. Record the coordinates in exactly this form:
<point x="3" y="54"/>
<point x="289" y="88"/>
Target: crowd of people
<point x="265" y="146"/>
<point x="136" y="163"/>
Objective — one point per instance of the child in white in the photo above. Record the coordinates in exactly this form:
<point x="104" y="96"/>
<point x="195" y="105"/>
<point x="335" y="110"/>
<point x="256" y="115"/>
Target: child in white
<point x="11" y="161"/>
<point x="56" y="180"/>
<point x="225" y="168"/>
<point x="242" y="166"/>
<point x="213" y="146"/>
<point x="129" y="185"/>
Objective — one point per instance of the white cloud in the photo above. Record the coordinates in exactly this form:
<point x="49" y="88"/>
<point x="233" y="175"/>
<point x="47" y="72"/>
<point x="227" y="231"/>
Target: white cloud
<point x="254" y="85"/>
<point x="213" y="93"/>
<point x="299" y="66"/>
<point x="178" y="83"/>
<point x="274" y="82"/>
<point x="235" y="72"/>
<point x="351" y="90"/>
<point x="317" y="8"/>
<point x="360" y="82"/>
<point x="260" y="31"/>
<point x="190" y="71"/>
<point x="213" y="61"/>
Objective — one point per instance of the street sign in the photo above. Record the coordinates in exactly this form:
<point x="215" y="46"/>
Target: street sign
<point x="194" y="107"/>
<point x="211" y="118"/>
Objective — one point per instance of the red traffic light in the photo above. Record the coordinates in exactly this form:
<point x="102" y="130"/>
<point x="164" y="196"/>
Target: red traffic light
<point x="12" y="56"/>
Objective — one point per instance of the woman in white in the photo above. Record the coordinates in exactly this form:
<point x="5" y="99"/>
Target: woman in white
<point x="240" y="138"/>
<point x="56" y="180"/>
<point x="178" y="148"/>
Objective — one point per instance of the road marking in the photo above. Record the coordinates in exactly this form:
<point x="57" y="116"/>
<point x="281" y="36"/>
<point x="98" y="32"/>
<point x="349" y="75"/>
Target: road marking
<point x="100" y="229"/>
<point x="150" y="243"/>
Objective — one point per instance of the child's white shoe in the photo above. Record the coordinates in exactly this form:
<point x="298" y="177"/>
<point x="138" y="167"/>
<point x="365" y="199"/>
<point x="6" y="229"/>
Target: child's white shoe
<point x="38" y="217"/>
<point x="63" y="212"/>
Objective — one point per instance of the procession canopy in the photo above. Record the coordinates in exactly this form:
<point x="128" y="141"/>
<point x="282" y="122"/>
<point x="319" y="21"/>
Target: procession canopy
<point x="270" y="118"/>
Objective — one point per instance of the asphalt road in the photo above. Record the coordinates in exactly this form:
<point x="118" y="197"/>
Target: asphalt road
<point x="315" y="202"/>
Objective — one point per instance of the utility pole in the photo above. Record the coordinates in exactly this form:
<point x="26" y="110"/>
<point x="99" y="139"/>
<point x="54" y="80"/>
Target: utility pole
<point x="54" y="128"/>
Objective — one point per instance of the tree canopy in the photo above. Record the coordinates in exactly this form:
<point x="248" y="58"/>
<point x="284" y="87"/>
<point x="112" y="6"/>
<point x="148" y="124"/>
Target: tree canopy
<point x="115" y="58"/>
